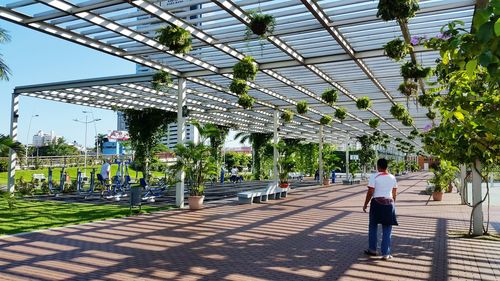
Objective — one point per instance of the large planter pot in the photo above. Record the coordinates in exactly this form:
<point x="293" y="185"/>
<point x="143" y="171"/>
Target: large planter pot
<point x="196" y="202"/>
<point x="437" y="196"/>
<point x="326" y="182"/>
<point x="284" y="185"/>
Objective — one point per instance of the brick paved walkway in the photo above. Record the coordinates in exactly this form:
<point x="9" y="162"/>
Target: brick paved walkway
<point x="314" y="234"/>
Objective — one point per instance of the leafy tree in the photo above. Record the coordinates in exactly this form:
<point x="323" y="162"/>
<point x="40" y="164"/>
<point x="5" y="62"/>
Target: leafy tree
<point x="258" y="140"/>
<point x="4" y="69"/>
<point x="146" y="127"/>
<point x="100" y="140"/>
<point x="237" y="159"/>
<point x="469" y="130"/>
<point x="58" y="147"/>
<point x="6" y="143"/>
<point x="216" y="134"/>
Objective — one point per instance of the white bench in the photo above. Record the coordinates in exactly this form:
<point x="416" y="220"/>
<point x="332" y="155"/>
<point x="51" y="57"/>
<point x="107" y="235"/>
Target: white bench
<point x="40" y="177"/>
<point x="272" y="191"/>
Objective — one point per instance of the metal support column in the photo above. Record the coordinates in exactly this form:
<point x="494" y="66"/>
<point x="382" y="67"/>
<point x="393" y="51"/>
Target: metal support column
<point x="477" y="216"/>
<point x="347" y="157"/>
<point x="181" y="138"/>
<point x="275" y="142"/>
<point x="320" y="154"/>
<point x="13" y="134"/>
<point x="463" y="184"/>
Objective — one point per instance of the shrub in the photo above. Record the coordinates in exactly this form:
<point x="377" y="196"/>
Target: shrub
<point x="239" y="87"/>
<point x="326" y="120"/>
<point x="4" y="165"/>
<point x="397" y="49"/>
<point x="245" y="69"/>
<point x="177" y="39"/>
<point x="363" y="102"/>
<point x="330" y="96"/>
<point x="340" y="113"/>
<point x="374" y="123"/>
<point x="302" y="107"/>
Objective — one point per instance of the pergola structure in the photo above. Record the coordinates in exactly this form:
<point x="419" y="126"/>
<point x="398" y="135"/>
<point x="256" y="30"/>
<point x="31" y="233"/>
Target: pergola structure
<point x="316" y="45"/>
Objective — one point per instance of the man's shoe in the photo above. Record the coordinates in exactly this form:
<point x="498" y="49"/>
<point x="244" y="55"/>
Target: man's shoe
<point x="387" y="257"/>
<point x="370" y="253"/>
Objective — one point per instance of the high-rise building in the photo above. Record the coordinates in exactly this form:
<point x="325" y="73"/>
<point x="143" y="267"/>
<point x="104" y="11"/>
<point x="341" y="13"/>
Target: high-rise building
<point x="170" y="138"/>
<point x="43" y="139"/>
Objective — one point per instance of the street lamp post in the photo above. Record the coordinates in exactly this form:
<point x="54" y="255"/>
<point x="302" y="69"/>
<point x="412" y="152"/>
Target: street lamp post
<point x="86" y="122"/>
<point x="28" y="137"/>
<point x="95" y="132"/>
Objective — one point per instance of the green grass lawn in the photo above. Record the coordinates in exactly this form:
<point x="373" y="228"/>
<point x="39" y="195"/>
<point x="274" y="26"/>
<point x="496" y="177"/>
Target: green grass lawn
<point x="32" y="215"/>
<point x="27" y="174"/>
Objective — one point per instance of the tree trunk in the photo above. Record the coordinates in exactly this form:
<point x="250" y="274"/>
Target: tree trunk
<point x="477" y="214"/>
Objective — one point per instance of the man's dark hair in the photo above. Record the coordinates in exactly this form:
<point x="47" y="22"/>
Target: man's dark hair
<point x="382" y="163"/>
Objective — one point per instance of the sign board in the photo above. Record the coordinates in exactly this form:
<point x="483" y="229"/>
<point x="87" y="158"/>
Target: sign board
<point x="118" y="136"/>
<point x="353" y="157"/>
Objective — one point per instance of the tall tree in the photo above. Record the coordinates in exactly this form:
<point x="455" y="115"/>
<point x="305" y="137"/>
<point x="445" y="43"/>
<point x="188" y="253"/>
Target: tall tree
<point x="257" y="140"/>
<point x="146" y="127"/>
<point x="7" y="143"/>
<point x="4" y="69"/>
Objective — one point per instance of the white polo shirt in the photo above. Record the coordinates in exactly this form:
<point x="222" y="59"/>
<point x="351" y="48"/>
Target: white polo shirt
<point x="382" y="183"/>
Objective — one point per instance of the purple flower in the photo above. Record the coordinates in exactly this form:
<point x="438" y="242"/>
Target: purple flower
<point x="443" y="36"/>
<point x="417" y="40"/>
<point x="427" y="127"/>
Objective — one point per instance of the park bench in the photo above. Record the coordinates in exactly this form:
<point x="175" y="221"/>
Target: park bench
<point x="40" y="177"/>
<point x="272" y="191"/>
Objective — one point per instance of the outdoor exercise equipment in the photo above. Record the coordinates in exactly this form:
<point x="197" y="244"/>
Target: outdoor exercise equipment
<point x="62" y="179"/>
<point x="153" y="192"/>
<point x="80" y="184"/>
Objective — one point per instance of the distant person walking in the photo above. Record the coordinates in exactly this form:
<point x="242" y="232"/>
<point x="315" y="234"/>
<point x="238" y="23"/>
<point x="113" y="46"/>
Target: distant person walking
<point x="381" y="194"/>
<point x="106" y="169"/>
<point x="234" y="174"/>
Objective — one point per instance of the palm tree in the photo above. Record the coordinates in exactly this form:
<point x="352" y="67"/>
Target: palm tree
<point x="258" y="140"/>
<point x="4" y="69"/>
<point x="6" y="143"/>
<point x="217" y="135"/>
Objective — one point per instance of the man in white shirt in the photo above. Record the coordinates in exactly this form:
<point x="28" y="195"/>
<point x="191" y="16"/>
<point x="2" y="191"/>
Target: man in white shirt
<point x="106" y="169"/>
<point x="234" y="174"/>
<point x="382" y="191"/>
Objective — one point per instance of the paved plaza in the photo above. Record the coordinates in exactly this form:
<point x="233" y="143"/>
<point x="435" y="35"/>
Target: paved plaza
<point x="314" y="234"/>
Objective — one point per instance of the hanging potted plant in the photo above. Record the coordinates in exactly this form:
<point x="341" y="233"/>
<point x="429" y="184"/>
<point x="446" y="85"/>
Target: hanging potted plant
<point x="246" y="101"/>
<point x="397" y="49"/>
<point x="340" y="113"/>
<point x="330" y="96"/>
<point x="431" y="115"/>
<point x="302" y="107"/>
<point x="287" y="115"/>
<point x="363" y="102"/>
<point x="414" y="133"/>
<point x="246" y="69"/>
<point x="161" y="81"/>
<point x="176" y="39"/>
<point x="239" y="87"/>
<point x="374" y="123"/>
<point x="408" y="88"/>
<point x="400" y="10"/>
<point x="407" y="120"/>
<point x="199" y="167"/>
<point x="415" y="71"/>
<point x="261" y="25"/>
<point x="326" y="120"/>
<point x="398" y="111"/>
<point x="426" y="99"/>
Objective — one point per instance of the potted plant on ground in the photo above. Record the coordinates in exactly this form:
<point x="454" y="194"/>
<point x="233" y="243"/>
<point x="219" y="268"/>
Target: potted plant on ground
<point x="286" y="163"/>
<point x="199" y="167"/>
<point x="444" y="173"/>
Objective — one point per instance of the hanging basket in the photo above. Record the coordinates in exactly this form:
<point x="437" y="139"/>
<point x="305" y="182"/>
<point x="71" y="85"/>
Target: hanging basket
<point x="262" y="24"/>
<point x="330" y="96"/>
<point x="239" y="87"/>
<point x="408" y="88"/>
<point x="363" y="103"/>
<point x="374" y="123"/>
<point x="302" y="107"/>
<point x="340" y="113"/>
<point x="287" y="115"/>
<point x="397" y="49"/>
<point x="326" y="120"/>
<point x="246" y="69"/>
<point x="176" y="39"/>
<point x="246" y="101"/>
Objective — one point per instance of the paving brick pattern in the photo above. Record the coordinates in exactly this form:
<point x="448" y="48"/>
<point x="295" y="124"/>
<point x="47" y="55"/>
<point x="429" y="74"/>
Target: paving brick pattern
<point x="314" y="234"/>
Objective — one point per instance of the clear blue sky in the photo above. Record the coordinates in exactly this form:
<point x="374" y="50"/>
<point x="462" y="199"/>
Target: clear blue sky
<point x="36" y="58"/>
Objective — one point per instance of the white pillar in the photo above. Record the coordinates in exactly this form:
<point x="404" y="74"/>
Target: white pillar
<point x="347" y="157"/>
<point x="320" y="154"/>
<point x="463" y="184"/>
<point x="181" y="138"/>
<point x="275" y="142"/>
<point x="13" y="134"/>
<point x="477" y="216"/>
